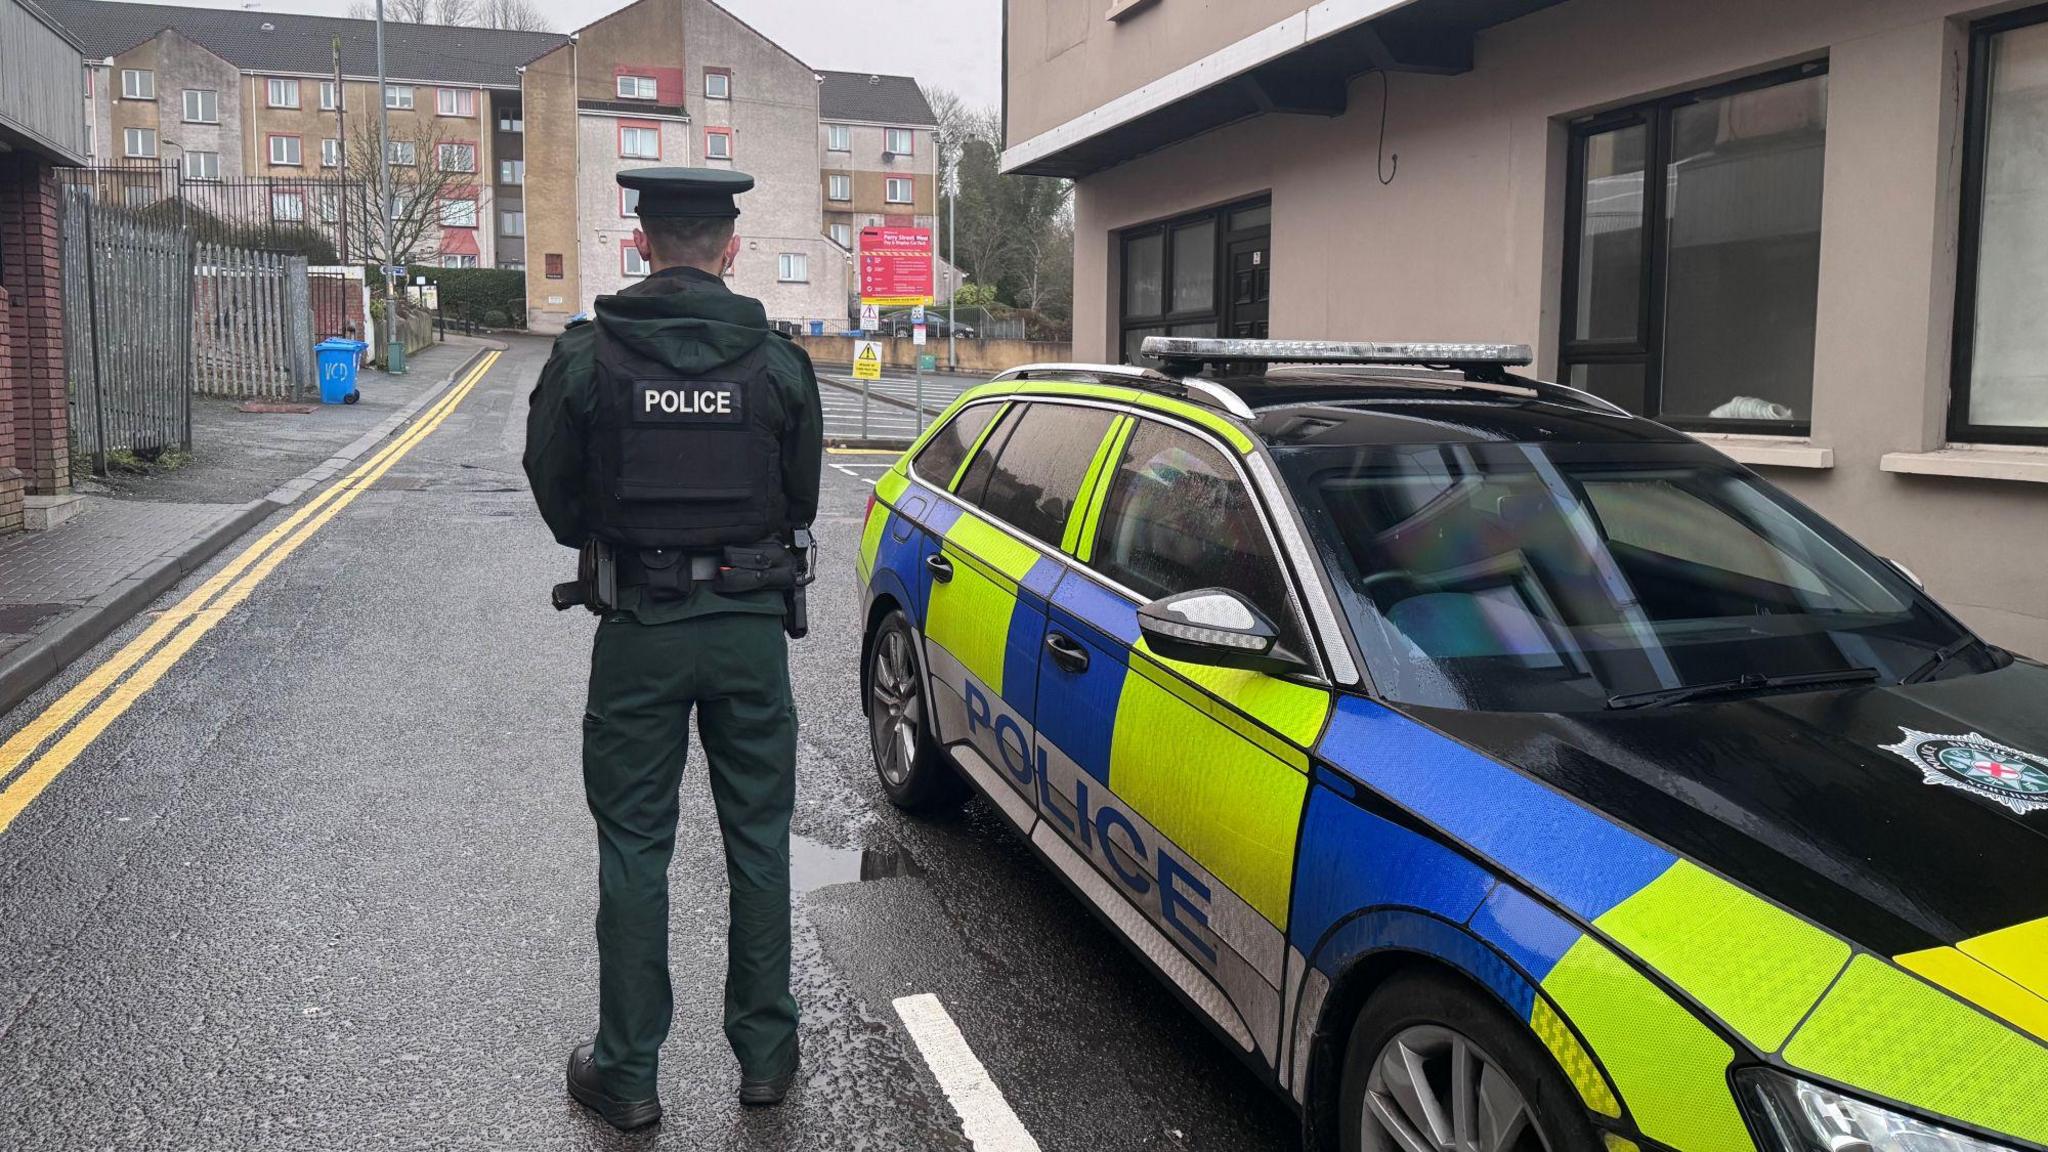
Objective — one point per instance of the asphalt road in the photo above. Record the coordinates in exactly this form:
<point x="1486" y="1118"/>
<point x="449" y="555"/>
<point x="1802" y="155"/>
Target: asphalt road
<point x="325" y="880"/>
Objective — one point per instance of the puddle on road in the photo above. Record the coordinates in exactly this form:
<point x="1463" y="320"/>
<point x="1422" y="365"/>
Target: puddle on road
<point x="813" y="865"/>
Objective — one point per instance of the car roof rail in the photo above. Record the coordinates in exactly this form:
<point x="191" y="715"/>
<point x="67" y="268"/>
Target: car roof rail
<point x="1207" y="393"/>
<point x="1482" y="365"/>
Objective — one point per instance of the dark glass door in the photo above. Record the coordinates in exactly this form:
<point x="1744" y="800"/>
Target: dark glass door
<point x="1250" y="261"/>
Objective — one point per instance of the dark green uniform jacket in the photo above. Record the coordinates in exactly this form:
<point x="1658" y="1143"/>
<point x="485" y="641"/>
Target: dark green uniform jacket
<point x="690" y="320"/>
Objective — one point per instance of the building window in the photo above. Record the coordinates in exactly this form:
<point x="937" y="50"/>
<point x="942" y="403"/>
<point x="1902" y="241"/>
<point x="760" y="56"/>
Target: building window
<point x="457" y="157"/>
<point x="138" y="84"/>
<point x="1171" y="274"/>
<point x="842" y="235"/>
<point x="404" y="153"/>
<point x="717" y="85"/>
<point x="511" y="171"/>
<point x="898" y="141"/>
<point x="897" y="190"/>
<point x="1692" y="254"/>
<point x="283" y="93"/>
<point x="458" y="213"/>
<point x="138" y="142"/>
<point x="330" y="96"/>
<point x="330" y="153"/>
<point x="638" y="143"/>
<point x="637" y="88"/>
<point x="717" y="144"/>
<point x="455" y="102"/>
<point x="630" y="260"/>
<point x="839" y="186"/>
<point x="453" y="260"/>
<point x="629" y="202"/>
<point x="511" y="223"/>
<point x="838" y="138"/>
<point x="287" y="206"/>
<point x="202" y="106"/>
<point x="398" y="96"/>
<point x="551" y="265"/>
<point x="793" y="268"/>
<point x="202" y="165"/>
<point x="284" y="150"/>
<point x="510" y="120"/>
<point x="1998" y="390"/>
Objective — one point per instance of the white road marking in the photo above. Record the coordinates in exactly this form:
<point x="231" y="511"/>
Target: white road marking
<point x="984" y="1115"/>
<point x="855" y="475"/>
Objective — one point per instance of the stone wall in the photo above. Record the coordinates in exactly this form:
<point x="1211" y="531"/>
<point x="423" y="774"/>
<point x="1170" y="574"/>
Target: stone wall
<point x="977" y="357"/>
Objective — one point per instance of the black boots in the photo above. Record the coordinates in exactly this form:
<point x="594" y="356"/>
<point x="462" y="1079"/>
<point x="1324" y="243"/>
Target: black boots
<point x="760" y="1093"/>
<point x="625" y="1115"/>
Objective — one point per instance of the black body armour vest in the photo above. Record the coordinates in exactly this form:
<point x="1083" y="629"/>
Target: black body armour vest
<point x="682" y="461"/>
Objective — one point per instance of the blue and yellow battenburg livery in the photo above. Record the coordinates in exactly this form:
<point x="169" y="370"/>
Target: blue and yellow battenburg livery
<point x="1664" y="898"/>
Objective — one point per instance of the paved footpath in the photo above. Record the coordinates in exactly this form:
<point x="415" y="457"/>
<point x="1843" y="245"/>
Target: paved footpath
<point x="61" y="590"/>
<point x="300" y="860"/>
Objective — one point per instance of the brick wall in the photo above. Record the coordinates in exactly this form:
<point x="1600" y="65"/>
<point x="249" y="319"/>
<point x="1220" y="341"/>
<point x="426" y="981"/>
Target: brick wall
<point x="29" y="270"/>
<point x="11" y="482"/>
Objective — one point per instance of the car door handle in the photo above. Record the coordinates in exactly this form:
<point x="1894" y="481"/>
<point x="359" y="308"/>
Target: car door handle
<point x="1066" y="653"/>
<point x="941" y="568"/>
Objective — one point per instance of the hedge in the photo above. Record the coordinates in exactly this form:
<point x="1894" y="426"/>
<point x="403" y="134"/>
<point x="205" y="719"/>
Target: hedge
<point x="492" y="296"/>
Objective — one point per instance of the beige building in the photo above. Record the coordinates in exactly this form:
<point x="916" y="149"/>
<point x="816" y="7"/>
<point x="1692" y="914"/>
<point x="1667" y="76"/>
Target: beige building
<point x="1812" y="234"/>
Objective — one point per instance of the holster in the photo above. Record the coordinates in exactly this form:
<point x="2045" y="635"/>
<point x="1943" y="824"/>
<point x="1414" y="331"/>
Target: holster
<point x="596" y="586"/>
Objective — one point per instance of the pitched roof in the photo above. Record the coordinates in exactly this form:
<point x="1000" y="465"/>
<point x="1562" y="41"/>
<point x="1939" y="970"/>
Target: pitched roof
<point x="875" y="99"/>
<point x="293" y="42"/>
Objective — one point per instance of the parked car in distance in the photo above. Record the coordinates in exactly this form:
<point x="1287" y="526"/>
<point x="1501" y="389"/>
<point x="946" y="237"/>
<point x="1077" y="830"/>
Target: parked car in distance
<point x="936" y="327"/>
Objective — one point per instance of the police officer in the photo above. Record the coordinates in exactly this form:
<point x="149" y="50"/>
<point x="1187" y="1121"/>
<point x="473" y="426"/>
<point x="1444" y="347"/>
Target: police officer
<point x="678" y="440"/>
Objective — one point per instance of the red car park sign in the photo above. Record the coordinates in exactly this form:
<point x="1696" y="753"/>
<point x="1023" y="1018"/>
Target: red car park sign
<point x="895" y="266"/>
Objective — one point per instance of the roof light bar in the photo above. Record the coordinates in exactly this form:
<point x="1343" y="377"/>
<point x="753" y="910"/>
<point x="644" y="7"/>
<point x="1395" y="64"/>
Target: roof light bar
<point x="1208" y="350"/>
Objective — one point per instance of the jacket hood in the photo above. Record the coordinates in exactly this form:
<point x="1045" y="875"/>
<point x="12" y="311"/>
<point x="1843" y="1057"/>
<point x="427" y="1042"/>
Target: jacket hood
<point x="1901" y="817"/>
<point x="692" y="324"/>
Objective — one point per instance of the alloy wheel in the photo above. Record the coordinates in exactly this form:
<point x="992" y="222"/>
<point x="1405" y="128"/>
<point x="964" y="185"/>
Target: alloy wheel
<point x="1434" y="1090"/>
<point x="895" y="715"/>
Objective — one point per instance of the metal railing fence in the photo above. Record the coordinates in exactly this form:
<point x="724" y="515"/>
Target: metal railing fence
<point x="127" y="284"/>
<point x="252" y="325"/>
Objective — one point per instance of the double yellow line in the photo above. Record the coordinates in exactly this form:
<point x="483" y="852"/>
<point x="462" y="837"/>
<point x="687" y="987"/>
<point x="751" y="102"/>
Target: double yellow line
<point x="171" y="635"/>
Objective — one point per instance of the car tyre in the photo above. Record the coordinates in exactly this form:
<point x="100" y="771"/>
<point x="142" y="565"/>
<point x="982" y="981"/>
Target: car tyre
<point x="1432" y="1028"/>
<point x="915" y="773"/>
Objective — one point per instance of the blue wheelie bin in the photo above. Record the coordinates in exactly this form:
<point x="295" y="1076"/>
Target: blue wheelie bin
<point x="337" y="359"/>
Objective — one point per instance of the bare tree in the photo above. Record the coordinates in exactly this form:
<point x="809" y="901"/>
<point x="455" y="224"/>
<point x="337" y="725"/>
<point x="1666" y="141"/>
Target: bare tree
<point x="512" y="15"/>
<point x="434" y="184"/>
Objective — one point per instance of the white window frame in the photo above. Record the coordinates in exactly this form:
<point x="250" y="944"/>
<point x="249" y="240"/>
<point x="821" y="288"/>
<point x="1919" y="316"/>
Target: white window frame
<point x="458" y="260"/>
<point x="402" y="153"/>
<point x="467" y="219"/>
<point x="195" y="105"/>
<point x="331" y="97"/>
<point x="629" y="203"/>
<point x="398" y="97"/>
<point x="200" y="171"/>
<point x="138" y="84"/>
<point x="511" y="222"/>
<point x="842" y="235"/>
<point x="838" y="137"/>
<point x="891" y="135"/>
<point x="724" y="80"/>
<point x="330" y="153"/>
<point x="632" y="87"/>
<point x="652" y="135"/>
<point x="838" y="187"/>
<point x="293" y="154"/>
<point x="711" y="149"/>
<point x="631" y="263"/>
<point x="138" y="142"/>
<point x="793" y="268"/>
<point x="442" y="151"/>
<point x="294" y="215"/>
<point x="450" y="101"/>
<point x="281" y="92"/>
<point x="514" y="125"/>
<point x="889" y="186"/>
<point x="514" y="167"/>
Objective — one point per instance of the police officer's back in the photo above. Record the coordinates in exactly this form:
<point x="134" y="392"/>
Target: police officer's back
<point x="677" y="440"/>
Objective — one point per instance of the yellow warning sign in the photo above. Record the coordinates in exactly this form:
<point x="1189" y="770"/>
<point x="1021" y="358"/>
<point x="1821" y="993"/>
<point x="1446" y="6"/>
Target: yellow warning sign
<point x="867" y="361"/>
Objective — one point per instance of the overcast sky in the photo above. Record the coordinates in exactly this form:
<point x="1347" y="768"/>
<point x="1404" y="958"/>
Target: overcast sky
<point x="956" y="44"/>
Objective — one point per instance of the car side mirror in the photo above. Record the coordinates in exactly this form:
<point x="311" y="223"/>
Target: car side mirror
<point x="1216" y="627"/>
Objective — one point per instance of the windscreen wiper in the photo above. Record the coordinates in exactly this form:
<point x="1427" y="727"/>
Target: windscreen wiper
<point x="1747" y="682"/>
<point x="1933" y="663"/>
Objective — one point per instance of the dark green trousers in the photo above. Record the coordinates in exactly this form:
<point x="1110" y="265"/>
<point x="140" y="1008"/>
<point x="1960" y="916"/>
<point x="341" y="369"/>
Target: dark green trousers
<point x="645" y="679"/>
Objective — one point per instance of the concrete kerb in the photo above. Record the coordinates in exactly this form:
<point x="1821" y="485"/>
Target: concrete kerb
<point x="35" y="663"/>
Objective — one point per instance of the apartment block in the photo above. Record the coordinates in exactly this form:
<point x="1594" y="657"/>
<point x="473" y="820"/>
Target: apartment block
<point x="879" y="141"/>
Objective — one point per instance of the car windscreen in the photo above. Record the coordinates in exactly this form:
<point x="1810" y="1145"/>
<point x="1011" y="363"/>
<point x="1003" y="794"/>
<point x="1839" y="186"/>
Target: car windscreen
<point x="1545" y="577"/>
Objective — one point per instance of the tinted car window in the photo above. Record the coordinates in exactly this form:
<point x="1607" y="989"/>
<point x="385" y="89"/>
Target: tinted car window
<point x="1178" y="519"/>
<point x="1038" y="471"/>
<point x="940" y="458"/>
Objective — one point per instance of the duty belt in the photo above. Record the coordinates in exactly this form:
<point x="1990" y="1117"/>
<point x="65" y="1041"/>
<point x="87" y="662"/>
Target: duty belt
<point x="653" y="565"/>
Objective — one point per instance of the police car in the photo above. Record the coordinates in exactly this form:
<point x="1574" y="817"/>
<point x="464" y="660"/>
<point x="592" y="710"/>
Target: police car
<point x="1494" y="770"/>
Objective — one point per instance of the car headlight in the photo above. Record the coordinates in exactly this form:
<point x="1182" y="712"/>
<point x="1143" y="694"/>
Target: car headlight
<point x="1792" y="1115"/>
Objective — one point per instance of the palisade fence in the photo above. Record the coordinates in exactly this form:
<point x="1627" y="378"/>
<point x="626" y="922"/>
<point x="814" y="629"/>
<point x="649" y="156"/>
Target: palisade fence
<point x="127" y="285"/>
<point x="252" y="324"/>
